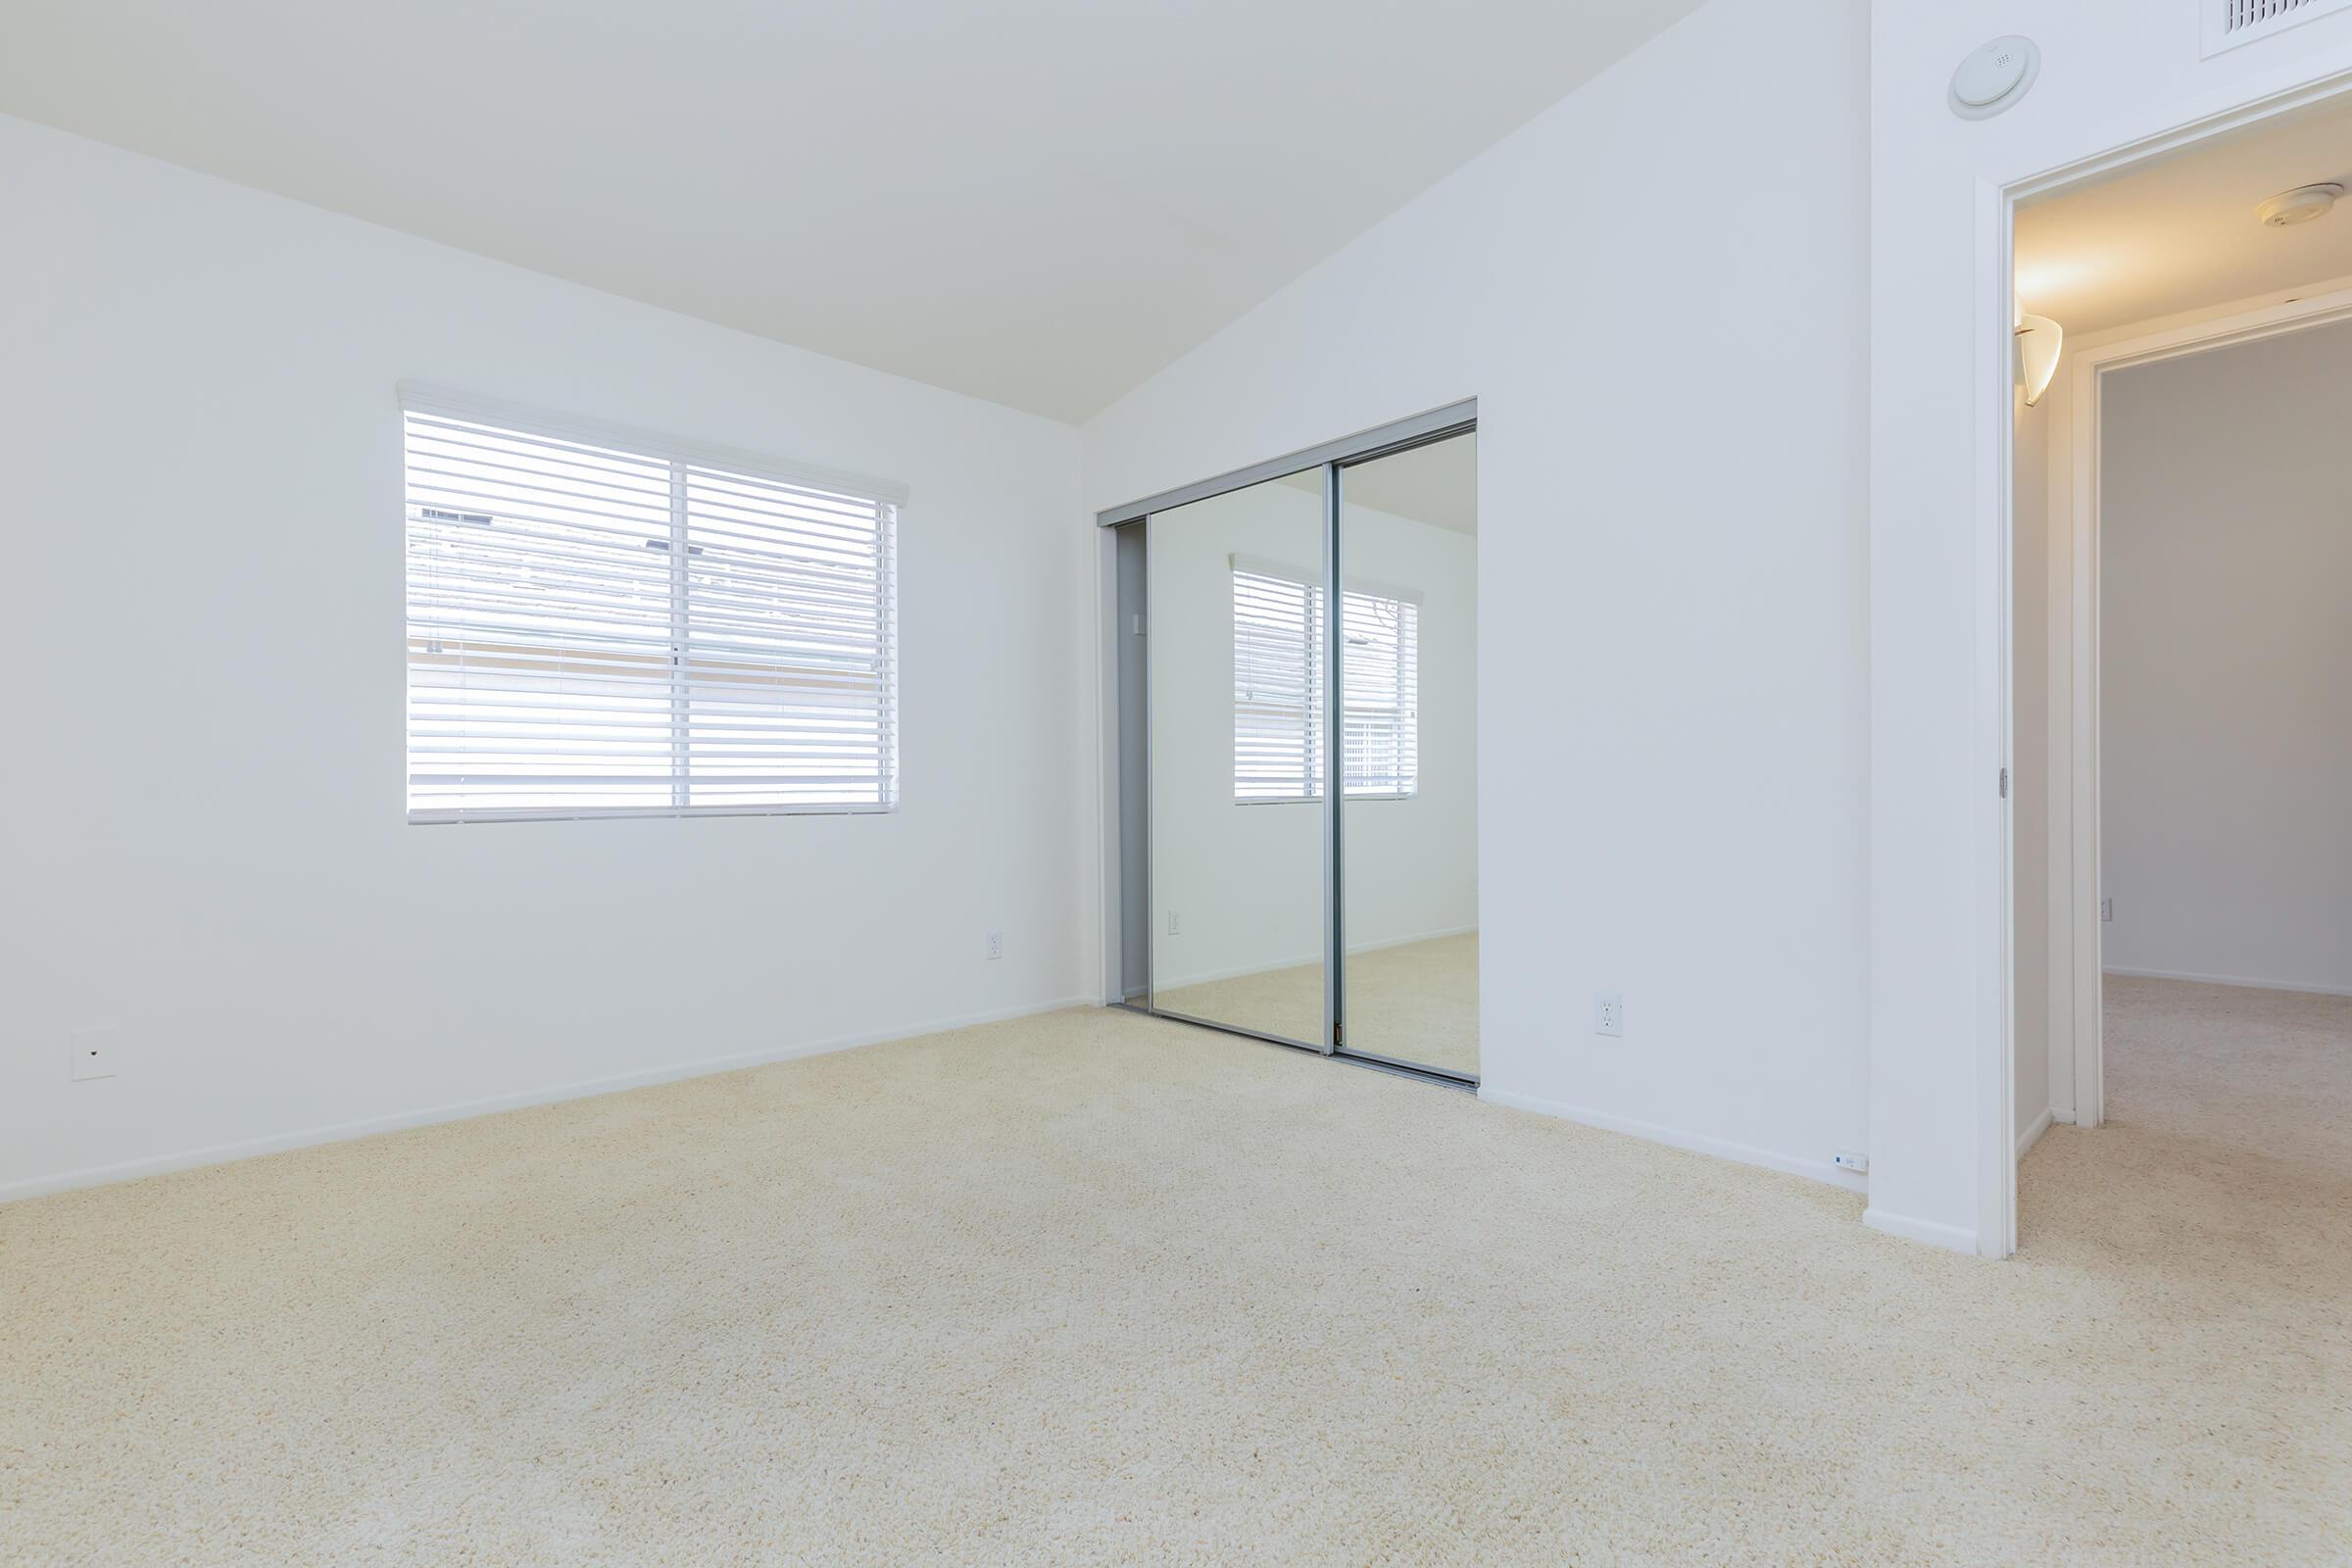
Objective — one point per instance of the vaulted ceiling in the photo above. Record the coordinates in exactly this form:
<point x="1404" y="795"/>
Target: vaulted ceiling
<point x="1040" y="202"/>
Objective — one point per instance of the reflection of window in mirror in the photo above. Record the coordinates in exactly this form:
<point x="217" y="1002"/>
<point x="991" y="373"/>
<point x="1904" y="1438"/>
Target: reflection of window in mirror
<point x="1278" y="688"/>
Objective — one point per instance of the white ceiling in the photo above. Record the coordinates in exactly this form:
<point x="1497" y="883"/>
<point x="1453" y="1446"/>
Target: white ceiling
<point x="2181" y="235"/>
<point x="1040" y="202"/>
<point x="1435" y="483"/>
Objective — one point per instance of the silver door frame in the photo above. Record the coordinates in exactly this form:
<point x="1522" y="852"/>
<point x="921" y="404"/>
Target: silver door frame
<point x="1332" y="456"/>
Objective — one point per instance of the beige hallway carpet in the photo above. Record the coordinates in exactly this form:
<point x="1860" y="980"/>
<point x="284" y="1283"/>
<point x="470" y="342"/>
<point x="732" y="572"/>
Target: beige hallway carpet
<point x="1094" y="1288"/>
<point x="1416" y="1001"/>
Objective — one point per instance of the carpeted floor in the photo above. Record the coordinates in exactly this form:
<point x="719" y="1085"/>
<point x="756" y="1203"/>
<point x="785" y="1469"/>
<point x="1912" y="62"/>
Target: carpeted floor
<point x="1416" y="1001"/>
<point x="1094" y="1288"/>
<point x="2234" y="1068"/>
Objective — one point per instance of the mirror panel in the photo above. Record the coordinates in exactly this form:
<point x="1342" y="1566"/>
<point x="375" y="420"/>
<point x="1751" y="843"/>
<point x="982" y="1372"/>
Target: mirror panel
<point x="1235" y="639"/>
<point x="1408" y="833"/>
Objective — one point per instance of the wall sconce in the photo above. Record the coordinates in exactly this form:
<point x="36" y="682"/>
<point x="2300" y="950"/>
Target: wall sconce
<point x="2038" y="339"/>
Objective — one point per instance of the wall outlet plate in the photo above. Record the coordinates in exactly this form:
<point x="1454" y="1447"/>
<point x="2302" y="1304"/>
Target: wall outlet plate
<point x="1848" y="1159"/>
<point x="995" y="943"/>
<point x="92" y="1054"/>
<point x="1608" y="1014"/>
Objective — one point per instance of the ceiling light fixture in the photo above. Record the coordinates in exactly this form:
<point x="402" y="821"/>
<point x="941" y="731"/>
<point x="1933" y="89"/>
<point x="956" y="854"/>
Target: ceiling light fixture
<point x="2038" y="340"/>
<point x="2299" y="206"/>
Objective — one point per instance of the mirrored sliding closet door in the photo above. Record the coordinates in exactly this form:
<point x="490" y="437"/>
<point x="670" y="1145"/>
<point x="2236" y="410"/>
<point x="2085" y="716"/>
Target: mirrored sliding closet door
<point x="1279" y="631"/>
<point x="1235" y="632"/>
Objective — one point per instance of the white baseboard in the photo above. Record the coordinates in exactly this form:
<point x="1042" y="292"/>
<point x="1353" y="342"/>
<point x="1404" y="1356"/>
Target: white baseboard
<point x="2231" y="980"/>
<point x="1951" y="1238"/>
<point x="339" y="1132"/>
<point x="2032" y="1135"/>
<point x="1316" y="957"/>
<point x="1820" y="1170"/>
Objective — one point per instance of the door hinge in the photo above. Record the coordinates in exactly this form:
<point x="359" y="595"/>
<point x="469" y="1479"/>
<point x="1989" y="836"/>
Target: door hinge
<point x="2004" y="783"/>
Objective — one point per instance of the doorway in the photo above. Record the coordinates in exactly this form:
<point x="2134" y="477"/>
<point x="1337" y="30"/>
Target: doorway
<point x="2180" y="864"/>
<point x="1310" y="619"/>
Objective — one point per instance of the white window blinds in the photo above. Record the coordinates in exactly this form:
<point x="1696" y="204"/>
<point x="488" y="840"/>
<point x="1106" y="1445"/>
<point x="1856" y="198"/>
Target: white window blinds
<point x="609" y="625"/>
<point x="1278" y="687"/>
<point x="1380" y="681"/>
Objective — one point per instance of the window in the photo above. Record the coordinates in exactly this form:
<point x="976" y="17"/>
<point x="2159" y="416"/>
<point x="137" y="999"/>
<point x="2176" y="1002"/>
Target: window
<point x="608" y="624"/>
<point x="1278" y="687"/>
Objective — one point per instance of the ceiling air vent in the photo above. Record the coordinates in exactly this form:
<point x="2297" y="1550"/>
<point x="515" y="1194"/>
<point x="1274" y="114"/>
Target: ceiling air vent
<point x="2230" y="22"/>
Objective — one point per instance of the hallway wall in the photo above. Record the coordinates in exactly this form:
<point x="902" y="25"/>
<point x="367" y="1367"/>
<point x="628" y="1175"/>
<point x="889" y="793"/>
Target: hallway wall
<point x="2031" y="782"/>
<point x="2225" y="539"/>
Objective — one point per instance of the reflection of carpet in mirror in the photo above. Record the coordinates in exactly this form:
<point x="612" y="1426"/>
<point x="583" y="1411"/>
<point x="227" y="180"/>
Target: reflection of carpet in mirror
<point x="1416" y="1001"/>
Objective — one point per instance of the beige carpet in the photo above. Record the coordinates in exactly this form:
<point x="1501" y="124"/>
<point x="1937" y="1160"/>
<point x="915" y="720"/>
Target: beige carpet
<point x="1416" y="1001"/>
<point x="1095" y="1287"/>
<point x="2232" y="1068"/>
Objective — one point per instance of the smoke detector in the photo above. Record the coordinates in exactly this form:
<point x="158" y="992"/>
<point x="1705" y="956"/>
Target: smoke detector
<point x="1994" y="77"/>
<point x="2300" y="206"/>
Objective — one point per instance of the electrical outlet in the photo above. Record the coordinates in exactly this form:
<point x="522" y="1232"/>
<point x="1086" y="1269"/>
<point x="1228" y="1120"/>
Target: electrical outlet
<point x="995" y="943"/>
<point x="90" y="1053"/>
<point x="1608" y="1014"/>
<point x="1847" y="1160"/>
<point x="1175" y="923"/>
<point x="2107" y="911"/>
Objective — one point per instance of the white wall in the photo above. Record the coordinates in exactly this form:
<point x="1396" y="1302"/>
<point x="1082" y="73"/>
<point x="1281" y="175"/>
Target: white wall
<point x="2114" y="73"/>
<point x="1248" y="879"/>
<point x="202" y="823"/>
<point x="2226" y="543"/>
<point x="2030" y="790"/>
<point x="1672" y="459"/>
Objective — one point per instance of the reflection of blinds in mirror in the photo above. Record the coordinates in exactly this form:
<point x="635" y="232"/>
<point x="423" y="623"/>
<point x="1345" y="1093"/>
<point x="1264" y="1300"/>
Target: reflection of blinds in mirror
<point x="1278" y="690"/>
<point x="1380" y="682"/>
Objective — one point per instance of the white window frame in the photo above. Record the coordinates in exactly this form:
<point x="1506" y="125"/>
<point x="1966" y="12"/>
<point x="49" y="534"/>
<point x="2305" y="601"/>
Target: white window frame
<point x="1408" y="603"/>
<point x="887" y="497"/>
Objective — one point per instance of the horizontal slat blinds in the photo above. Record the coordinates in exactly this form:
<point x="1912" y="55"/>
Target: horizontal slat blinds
<point x="1380" y="682"/>
<point x="1278" y="689"/>
<point x="788" y="676"/>
<point x="599" y="626"/>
